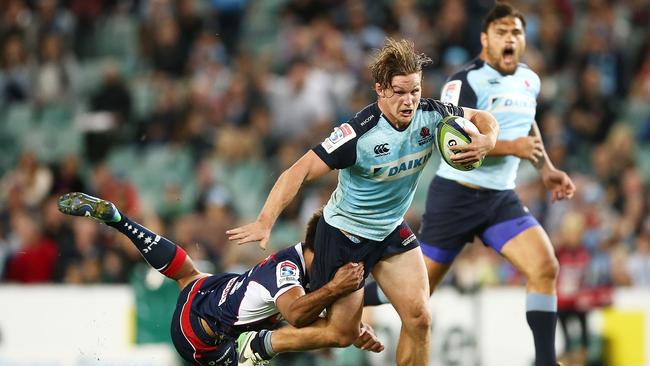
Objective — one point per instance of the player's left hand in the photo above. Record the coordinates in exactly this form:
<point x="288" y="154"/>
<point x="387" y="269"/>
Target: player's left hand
<point x="367" y="340"/>
<point x="559" y="184"/>
<point x="255" y="231"/>
<point x="475" y="151"/>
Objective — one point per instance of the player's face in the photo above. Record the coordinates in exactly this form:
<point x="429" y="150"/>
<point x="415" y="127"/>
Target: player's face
<point x="400" y="100"/>
<point x="504" y="43"/>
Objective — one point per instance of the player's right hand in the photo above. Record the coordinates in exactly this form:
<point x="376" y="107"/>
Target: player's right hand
<point x="255" y="231"/>
<point x="367" y="340"/>
<point x="347" y="278"/>
<point x="528" y="147"/>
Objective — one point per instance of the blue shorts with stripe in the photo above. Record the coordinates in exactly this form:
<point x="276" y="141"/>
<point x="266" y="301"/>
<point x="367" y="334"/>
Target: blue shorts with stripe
<point x="455" y="214"/>
<point x="333" y="249"/>
<point x="190" y="339"/>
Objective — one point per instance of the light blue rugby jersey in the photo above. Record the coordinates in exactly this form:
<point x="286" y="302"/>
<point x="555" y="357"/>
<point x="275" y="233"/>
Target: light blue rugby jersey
<point x="379" y="167"/>
<point x="512" y="99"/>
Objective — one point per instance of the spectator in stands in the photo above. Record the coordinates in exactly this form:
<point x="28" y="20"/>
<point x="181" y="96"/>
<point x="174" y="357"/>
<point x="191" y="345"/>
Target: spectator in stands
<point x="638" y="263"/>
<point x="34" y="258"/>
<point x="54" y="78"/>
<point x="67" y="176"/>
<point x="572" y="303"/>
<point x="31" y="177"/>
<point x="113" y="99"/>
<point x="15" y="78"/>
<point x="118" y="189"/>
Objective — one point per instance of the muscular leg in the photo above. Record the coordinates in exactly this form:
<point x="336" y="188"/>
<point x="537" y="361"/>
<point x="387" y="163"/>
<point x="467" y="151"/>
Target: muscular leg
<point x="161" y="253"/>
<point x="532" y="254"/>
<point x="436" y="272"/>
<point x="409" y="295"/>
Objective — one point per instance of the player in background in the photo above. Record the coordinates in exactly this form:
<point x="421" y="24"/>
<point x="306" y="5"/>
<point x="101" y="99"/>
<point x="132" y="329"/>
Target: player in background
<point x="483" y="200"/>
<point x="380" y="154"/>
<point x="217" y="317"/>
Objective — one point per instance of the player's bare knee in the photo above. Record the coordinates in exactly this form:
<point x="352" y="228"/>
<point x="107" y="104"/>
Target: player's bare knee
<point x="545" y="272"/>
<point x="418" y="318"/>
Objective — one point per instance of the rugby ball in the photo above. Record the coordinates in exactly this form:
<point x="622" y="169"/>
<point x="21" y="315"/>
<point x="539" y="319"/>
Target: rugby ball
<point x="451" y="132"/>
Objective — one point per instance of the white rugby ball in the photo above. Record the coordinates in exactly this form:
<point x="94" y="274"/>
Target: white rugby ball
<point x="451" y="132"/>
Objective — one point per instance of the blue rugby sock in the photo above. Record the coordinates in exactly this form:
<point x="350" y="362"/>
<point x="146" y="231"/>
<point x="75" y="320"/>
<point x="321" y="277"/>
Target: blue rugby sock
<point x="541" y="314"/>
<point x="163" y="255"/>
<point x="261" y="344"/>
<point x="373" y="295"/>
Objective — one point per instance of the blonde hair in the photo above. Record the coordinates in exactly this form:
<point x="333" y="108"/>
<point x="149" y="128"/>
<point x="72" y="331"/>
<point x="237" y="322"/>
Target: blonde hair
<point x="396" y="58"/>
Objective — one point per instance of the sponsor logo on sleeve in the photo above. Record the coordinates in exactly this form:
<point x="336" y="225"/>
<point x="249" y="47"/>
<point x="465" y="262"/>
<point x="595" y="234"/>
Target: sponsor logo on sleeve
<point x="339" y="136"/>
<point x="451" y="92"/>
<point x="287" y="272"/>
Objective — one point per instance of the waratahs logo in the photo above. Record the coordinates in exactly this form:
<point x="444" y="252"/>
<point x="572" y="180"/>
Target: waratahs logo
<point x="406" y="235"/>
<point x="424" y="136"/>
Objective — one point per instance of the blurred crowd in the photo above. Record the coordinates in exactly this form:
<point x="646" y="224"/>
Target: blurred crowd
<point x="184" y="112"/>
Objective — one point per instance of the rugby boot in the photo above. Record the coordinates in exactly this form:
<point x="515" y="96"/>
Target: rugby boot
<point x="81" y="204"/>
<point x="246" y="355"/>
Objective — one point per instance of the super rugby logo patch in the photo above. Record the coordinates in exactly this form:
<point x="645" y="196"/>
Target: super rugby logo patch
<point x="339" y="136"/>
<point x="287" y="272"/>
<point x="451" y="92"/>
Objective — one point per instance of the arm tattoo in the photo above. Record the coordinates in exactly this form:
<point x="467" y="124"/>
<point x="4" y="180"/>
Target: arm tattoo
<point x="534" y="131"/>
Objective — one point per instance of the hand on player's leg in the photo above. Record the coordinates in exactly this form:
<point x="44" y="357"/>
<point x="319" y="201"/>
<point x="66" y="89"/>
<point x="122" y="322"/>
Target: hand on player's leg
<point x="367" y="340"/>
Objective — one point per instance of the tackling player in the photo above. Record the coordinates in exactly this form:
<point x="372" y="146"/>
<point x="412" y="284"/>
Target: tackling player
<point x="483" y="199"/>
<point x="380" y="153"/>
<point x="217" y="316"/>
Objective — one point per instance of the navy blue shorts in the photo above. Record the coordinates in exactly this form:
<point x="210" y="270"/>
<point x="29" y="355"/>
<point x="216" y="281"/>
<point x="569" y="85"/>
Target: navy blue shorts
<point x="333" y="249"/>
<point x="190" y="339"/>
<point x="455" y="214"/>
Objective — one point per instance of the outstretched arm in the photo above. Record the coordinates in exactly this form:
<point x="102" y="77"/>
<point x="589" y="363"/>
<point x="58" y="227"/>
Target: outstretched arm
<point x="300" y="309"/>
<point x="556" y="181"/>
<point x="307" y="168"/>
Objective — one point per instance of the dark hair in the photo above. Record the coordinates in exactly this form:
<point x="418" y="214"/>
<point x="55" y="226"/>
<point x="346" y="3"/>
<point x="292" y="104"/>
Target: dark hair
<point x="501" y="10"/>
<point x="310" y="233"/>
<point x="396" y="58"/>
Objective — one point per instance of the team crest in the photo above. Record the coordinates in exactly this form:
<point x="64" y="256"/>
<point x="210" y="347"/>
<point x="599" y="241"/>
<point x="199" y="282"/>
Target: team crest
<point x="406" y="235"/>
<point x="424" y="136"/>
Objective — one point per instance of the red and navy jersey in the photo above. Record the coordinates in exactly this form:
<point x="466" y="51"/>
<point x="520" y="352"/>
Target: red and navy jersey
<point x="233" y="303"/>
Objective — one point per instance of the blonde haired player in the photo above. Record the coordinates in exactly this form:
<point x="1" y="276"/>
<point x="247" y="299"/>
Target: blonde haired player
<point x="380" y="154"/>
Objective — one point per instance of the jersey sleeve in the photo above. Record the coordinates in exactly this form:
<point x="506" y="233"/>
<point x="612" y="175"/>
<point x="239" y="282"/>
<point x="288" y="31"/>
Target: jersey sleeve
<point x="339" y="150"/>
<point x="287" y="276"/>
<point x="457" y="91"/>
<point x="277" y="275"/>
